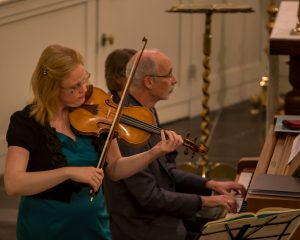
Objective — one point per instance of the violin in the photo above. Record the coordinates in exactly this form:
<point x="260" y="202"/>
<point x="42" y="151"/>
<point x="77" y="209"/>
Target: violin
<point x="135" y="126"/>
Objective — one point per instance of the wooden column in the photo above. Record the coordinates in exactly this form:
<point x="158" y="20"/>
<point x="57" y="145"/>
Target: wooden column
<point x="282" y="42"/>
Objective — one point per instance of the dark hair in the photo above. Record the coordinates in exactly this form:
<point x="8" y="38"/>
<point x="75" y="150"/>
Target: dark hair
<point x="115" y="68"/>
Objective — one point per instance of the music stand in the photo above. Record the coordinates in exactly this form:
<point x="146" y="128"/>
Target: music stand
<point x="270" y="225"/>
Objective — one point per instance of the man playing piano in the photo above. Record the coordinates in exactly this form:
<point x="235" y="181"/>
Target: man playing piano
<point x="154" y="203"/>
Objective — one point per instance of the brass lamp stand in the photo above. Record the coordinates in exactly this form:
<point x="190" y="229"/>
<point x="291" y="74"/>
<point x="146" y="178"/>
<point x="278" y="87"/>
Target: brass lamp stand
<point x="208" y="10"/>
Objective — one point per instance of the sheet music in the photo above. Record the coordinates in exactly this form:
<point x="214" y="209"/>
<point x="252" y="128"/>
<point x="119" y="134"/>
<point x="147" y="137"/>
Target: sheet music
<point x="266" y="224"/>
<point x="295" y="149"/>
<point x="275" y="185"/>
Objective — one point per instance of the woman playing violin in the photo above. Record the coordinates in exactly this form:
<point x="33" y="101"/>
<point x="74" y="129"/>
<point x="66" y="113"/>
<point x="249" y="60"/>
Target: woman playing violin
<point x="52" y="168"/>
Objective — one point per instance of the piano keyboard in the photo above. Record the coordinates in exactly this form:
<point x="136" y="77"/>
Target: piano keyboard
<point x="244" y="179"/>
<point x="242" y="204"/>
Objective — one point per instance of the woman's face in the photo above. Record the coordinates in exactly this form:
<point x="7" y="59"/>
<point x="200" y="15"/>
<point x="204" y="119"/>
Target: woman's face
<point x="74" y="87"/>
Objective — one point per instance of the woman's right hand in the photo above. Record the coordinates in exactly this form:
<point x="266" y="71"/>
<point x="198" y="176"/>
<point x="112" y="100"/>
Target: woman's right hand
<point x="90" y="175"/>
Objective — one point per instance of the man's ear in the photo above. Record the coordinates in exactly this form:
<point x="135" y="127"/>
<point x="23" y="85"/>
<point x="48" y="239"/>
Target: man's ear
<point x="148" y="82"/>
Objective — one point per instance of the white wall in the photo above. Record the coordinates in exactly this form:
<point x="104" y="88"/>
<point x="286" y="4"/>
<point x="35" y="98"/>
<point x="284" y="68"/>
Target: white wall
<point x="26" y="28"/>
<point x="237" y="57"/>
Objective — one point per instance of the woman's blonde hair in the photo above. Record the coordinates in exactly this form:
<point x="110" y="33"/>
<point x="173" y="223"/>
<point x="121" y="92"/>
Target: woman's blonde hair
<point x="55" y="63"/>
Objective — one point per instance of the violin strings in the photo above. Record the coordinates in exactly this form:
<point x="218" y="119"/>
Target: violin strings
<point x="140" y="124"/>
<point x="136" y="123"/>
<point x="153" y="129"/>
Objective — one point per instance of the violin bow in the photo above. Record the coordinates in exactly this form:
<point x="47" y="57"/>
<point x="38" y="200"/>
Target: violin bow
<point x="118" y="112"/>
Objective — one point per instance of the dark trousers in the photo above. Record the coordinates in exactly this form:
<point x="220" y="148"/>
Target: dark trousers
<point x="194" y="227"/>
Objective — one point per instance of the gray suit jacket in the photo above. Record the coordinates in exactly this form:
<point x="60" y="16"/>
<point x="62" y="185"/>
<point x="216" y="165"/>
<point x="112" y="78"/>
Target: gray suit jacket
<point x="152" y="203"/>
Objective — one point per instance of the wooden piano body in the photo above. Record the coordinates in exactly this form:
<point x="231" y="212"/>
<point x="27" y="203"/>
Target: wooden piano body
<point x="273" y="160"/>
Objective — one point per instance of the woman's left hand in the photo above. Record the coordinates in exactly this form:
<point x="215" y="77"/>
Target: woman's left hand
<point x="169" y="142"/>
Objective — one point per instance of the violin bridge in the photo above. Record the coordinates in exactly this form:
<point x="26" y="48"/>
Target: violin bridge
<point x="108" y="113"/>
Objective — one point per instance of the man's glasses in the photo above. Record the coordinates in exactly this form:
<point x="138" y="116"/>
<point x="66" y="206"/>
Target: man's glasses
<point x="168" y="75"/>
<point x="79" y="85"/>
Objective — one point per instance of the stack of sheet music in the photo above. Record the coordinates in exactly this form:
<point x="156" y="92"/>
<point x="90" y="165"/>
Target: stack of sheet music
<point x="277" y="185"/>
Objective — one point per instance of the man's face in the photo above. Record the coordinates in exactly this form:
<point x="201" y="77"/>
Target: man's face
<point x="164" y="82"/>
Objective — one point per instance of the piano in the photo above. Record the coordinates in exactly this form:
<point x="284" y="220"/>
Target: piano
<point x="272" y="160"/>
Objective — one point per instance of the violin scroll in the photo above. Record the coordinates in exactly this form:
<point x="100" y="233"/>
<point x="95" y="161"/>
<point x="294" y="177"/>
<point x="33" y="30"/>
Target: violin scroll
<point x="194" y="147"/>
